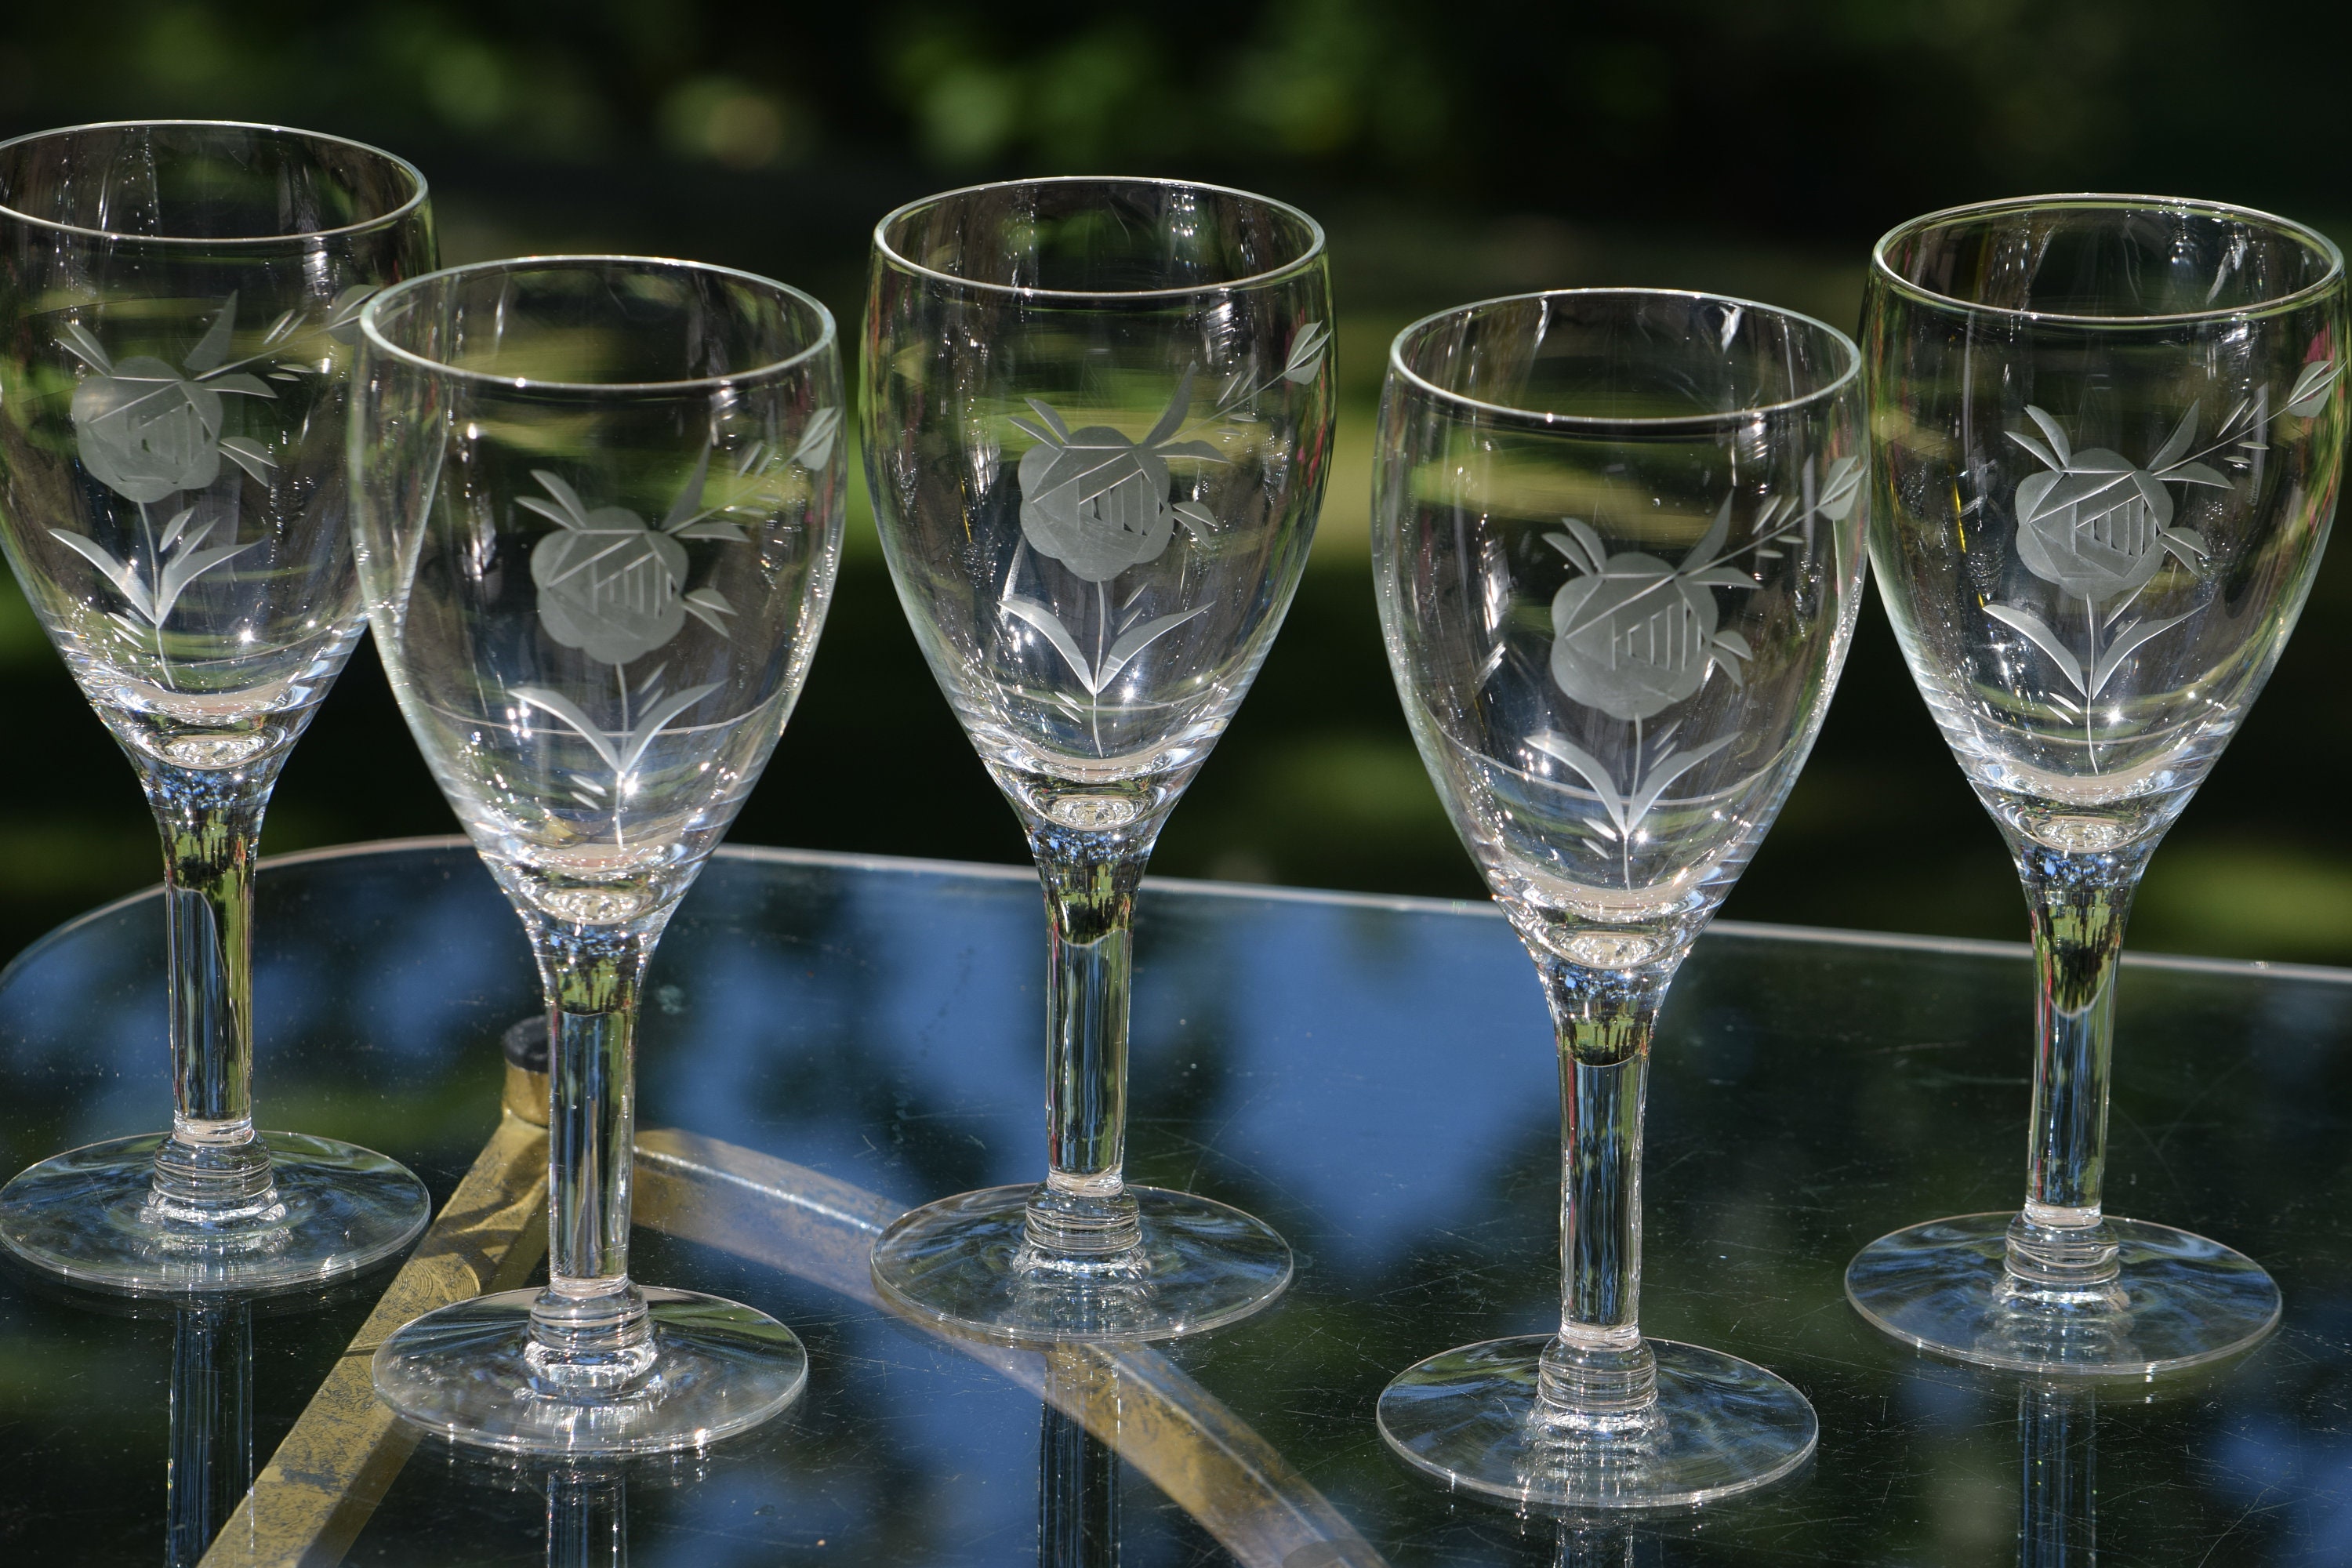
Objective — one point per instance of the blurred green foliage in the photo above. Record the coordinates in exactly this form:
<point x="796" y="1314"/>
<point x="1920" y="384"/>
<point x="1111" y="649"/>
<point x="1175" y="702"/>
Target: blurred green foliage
<point x="1795" y="114"/>
<point x="1455" y="150"/>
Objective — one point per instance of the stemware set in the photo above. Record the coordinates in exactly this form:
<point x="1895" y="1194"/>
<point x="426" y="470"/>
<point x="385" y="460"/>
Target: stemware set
<point x="592" y="508"/>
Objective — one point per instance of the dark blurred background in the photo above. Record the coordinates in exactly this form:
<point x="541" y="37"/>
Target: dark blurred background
<point x="1456" y="148"/>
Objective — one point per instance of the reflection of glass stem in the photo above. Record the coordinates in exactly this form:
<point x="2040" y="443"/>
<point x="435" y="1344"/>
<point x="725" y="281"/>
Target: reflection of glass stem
<point x="2057" y="1458"/>
<point x="211" y="1428"/>
<point x="1078" y="1495"/>
<point x="587" y="1519"/>
<point x="1589" y="1544"/>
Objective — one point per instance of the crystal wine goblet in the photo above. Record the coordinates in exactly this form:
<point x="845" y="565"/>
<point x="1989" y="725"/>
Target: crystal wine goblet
<point x="2108" y="440"/>
<point x="177" y="305"/>
<point x="598" y="512"/>
<point x="1098" y="420"/>
<point x="1618" y="551"/>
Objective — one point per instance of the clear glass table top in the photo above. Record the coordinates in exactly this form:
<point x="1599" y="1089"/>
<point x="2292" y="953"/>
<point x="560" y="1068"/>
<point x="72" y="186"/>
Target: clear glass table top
<point x="829" y="1040"/>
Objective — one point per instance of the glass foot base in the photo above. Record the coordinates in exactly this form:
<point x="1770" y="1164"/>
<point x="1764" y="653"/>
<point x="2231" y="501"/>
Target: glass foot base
<point x="964" y="1265"/>
<point x="719" y="1368"/>
<point x="1721" y="1425"/>
<point x="2180" y="1299"/>
<point x="88" y="1216"/>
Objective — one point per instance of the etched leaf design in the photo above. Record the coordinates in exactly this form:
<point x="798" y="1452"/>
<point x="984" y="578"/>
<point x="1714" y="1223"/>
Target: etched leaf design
<point x="1198" y="519"/>
<point x="1669" y="770"/>
<point x="551" y="510"/>
<point x="178" y="525"/>
<point x="817" y="439"/>
<point x="2133" y="636"/>
<point x="1840" y="487"/>
<point x="1554" y="745"/>
<point x="1703" y="553"/>
<point x="565" y="496"/>
<point x="2176" y="445"/>
<point x="213" y="347"/>
<point x="1135" y="641"/>
<point x="558" y="706"/>
<point x="188" y="565"/>
<point x="77" y="341"/>
<point x="689" y="496"/>
<point x="343" y="316"/>
<point x="124" y="578"/>
<point x="2050" y="427"/>
<point x="1028" y="611"/>
<point x="649" y="728"/>
<point x="250" y="456"/>
<point x="2042" y="637"/>
<point x="1306" y="353"/>
<point x="2037" y="448"/>
<point x="707" y="606"/>
<point x="1171" y="418"/>
<point x="2311" y="388"/>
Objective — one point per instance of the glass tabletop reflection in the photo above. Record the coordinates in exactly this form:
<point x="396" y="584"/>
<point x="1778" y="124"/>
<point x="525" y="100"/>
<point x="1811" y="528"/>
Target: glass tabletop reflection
<point x="829" y="1040"/>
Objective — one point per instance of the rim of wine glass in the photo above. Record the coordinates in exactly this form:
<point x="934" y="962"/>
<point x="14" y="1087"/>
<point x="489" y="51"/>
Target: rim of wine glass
<point x="773" y="369"/>
<point x="2103" y="200"/>
<point x="1667" y="425"/>
<point x="400" y="214"/>
<point x="1300" y="263"/>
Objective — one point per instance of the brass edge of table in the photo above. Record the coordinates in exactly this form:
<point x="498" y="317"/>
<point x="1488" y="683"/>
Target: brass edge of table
<point x="308" y="1503"/>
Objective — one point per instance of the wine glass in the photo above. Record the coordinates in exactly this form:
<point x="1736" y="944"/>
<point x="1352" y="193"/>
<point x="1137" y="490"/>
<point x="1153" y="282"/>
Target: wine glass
<point x="1097" y="422"/>
<point x="177" y="306"/>
<point x="599" y="512"/>
<point x="2109" y="440"/>
<point x="1618" y="551"/>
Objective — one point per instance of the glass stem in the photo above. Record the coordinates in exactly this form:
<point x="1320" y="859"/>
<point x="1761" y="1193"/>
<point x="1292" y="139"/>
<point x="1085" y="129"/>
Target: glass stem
<point x="1597" y="1374"/>
<point x="2061" y="1243"/>
<point x="590" y="1328"/>
<point x="1084" y="1210"/>
<point x="211" y="1169"/>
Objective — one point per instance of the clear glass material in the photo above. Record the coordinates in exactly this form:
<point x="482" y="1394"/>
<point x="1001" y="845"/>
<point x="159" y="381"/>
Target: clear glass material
<point x="1618" y="545"/>
<point x="177" y="306"/>
<point x="2109" y="437"/>
<point x="599" y="516"/>
<point x="1098" y="418"/>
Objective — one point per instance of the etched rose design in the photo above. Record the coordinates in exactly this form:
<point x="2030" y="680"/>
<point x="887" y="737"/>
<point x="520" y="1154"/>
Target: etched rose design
<point x="2095" y="524"/>
<point x="1096" y="502"/>
<point x="145" y="430"/>
<point x="1633" y="635"/>
<point x="608" y="585"/>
